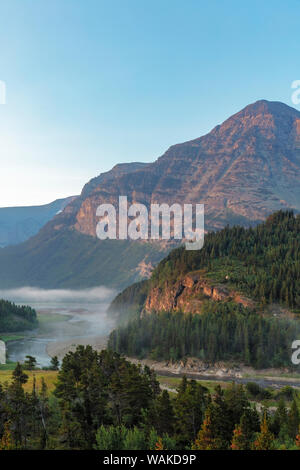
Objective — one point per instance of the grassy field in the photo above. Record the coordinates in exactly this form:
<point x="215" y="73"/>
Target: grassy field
<point x="172" y="383"/>
<point x="49" y="377"/>
<point x="51" y="317"/>
<point x="11" y="337"/>
<point x="7" y="366"/>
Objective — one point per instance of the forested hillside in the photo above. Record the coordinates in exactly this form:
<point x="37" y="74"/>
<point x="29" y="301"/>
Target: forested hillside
<point x="15" y="318"/>
<point x="262" y="263"/>
<point x="129" y="301"/>
<point x="223" y="332"/>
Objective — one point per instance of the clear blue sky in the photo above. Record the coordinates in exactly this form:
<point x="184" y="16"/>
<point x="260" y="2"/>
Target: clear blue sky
<point x="91" y="83"/>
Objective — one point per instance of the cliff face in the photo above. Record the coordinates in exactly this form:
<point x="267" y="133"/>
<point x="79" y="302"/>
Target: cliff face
<point x="242" y="171"/>
<point x="188" y="294"/>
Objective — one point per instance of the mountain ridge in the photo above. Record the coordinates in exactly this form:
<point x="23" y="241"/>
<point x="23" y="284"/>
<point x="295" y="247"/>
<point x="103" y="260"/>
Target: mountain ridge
<point x="260" y="142"/>
<point x="243" y="170"/>
<point x="19" y="223"/>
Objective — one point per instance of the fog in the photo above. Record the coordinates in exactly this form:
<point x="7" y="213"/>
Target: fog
<point x="67" y="317"/>
<point x="37" y="295"/>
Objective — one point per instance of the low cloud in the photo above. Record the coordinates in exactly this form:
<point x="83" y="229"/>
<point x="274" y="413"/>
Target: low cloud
<point x="81" y="296"/>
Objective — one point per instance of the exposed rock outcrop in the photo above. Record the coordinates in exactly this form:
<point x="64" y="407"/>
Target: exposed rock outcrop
<point x="187" y="295"/>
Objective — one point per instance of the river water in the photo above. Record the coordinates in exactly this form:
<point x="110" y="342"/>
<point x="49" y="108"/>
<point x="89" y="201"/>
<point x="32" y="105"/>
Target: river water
<point x="66" y="318"/>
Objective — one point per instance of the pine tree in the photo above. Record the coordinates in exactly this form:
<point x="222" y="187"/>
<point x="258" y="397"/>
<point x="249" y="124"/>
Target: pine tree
<point x="238" y="441"/>
<point x="279" y="423"/>
<point x="19" y="406"/>
<point x="54" y="363"/>
<point x="6" y="442"/>
<point x="159" y="444"/>
<point x="293" y="420"/>
<point x="205" y="439"/>
<point x="297" y="440"/>
<point x="265" y="438"/>
<point x="18" y="375"/>
<point x="189" y="406"/>
<point x="164" y="414"/>
<point x="250" y="424"/>
<point x="30" y="363"/>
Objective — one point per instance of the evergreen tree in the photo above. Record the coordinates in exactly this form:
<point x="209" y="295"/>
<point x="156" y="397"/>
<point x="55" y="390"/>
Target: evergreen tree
<point x="30" y="363"/>
<point x="265" y="438"/>
<point x="278" y="425"/>
<point x="18" y="375"/>
<point x="239" y="441"/>
<point x="249" y="424"/>
<point x="165" y="414"/>
<point x="189" y="407"/>
<point x="297" y="440"/>
<point x="293" y="420"/>
<point x="205" y="439"/>
<point x="6" y="442"/>
<point x="54" y="363"/>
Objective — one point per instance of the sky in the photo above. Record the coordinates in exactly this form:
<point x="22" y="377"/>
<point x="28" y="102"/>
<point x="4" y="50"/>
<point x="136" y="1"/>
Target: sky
<point x="92" y="83"/>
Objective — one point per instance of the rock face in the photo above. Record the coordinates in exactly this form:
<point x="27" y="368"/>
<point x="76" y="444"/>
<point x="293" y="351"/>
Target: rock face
<point x="79" y="213"/>
<point x="242" y="171"/>
<point x="187" y="295"/>
<point x="2" y="352"/>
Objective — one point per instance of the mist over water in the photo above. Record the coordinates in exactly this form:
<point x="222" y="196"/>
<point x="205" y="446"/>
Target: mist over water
<point x="54" y="296"/>
<point x="66" y="317"/>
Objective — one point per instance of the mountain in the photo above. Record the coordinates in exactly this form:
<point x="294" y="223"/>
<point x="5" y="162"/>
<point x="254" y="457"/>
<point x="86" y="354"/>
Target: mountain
<point x="59" y="256"/>
<point x="17" y="224"/>
<point x="242" y="171"/>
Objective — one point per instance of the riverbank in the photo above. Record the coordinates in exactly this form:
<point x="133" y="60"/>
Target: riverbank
<point x="61" y="348"/>
<point x="192" y="368"/>
<point x="61" y="329"/>
<point x="196" y="369"/>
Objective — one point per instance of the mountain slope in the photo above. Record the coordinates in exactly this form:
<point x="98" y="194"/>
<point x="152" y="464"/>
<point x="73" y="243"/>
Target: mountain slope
<point x="252" y="267"/>
<point x="229" y="301"/>
<point x="242" y="171"/>
<point x="72" y="260"/>
<point x="17" y="224"/>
